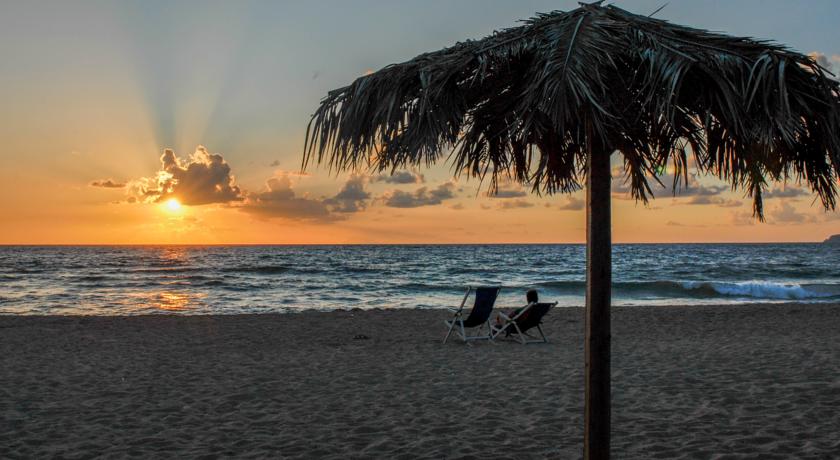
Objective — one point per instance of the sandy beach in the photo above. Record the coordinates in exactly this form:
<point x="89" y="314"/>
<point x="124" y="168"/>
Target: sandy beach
<point x="760" y="381"/>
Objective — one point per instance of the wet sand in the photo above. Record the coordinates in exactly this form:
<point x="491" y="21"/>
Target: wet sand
<point x="759" y="381"/>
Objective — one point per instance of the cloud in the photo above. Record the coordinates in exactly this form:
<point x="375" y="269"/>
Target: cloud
<point x="741" y="218"/>
<point x="821" y="59"/>
<point x="730" y="204"/>
<point x="401" y="177"/>
<point x="715" y="200"/>
<point x="786" y="192"/>
<point x="423" y="196"/>
<point x="107" y="183"/>
<point x="830" y="63"/>
<point x="351" y="198"/>
<point x="700" y="190"/>
<point x="204" y="178"/>
<point x="274" y="163"/>
<point x="280" y="200"/>
<point x="514" y="204"/>
<point x="572" y="204"/>
<point x="785" y="213"/>
<point x="621" y="186"/>
<point x="512" y="191"/>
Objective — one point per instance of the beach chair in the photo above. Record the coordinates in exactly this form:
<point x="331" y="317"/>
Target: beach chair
<point x="524" y="320"/>
<point x="485" y="298"/>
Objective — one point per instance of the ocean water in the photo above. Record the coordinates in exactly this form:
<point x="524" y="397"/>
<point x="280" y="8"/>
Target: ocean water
<point x="130" y="280"/>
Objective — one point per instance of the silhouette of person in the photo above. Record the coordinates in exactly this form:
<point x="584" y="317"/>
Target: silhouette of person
<point x="531" y="297"/>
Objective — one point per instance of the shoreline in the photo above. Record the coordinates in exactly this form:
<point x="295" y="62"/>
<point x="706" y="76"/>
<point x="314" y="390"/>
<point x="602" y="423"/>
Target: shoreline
<point x="689" y="382"/>
<point x="296" y="311"/>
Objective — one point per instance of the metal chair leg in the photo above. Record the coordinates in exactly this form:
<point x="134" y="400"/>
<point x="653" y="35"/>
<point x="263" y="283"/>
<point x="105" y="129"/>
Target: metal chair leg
<point x="451" y="326"/>
<point x="545" y="339"/>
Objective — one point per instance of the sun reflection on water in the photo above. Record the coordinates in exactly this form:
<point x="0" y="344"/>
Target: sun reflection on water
<point x="165" y="301"/>
<point x="175" y="255"/>
<point x="175" y="301"/>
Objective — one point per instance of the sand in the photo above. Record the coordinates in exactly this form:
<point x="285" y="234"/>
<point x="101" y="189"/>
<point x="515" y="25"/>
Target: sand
<point x="699" y="382"/>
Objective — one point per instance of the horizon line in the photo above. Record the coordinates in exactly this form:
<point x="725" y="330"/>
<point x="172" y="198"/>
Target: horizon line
<point x="381" y="244"/>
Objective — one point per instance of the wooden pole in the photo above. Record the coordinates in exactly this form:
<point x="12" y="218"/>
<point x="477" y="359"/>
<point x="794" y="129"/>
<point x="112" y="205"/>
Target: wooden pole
<point x="596" y="436"/>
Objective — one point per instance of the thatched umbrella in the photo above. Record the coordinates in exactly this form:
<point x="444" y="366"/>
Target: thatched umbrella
<point x="548" y="102"/>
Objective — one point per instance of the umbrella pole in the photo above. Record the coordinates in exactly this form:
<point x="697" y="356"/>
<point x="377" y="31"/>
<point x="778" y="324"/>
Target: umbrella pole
<point x="598" y="282"/>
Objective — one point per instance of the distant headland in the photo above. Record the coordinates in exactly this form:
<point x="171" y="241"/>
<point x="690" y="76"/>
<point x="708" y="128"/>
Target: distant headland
<point x="833" y="239"/>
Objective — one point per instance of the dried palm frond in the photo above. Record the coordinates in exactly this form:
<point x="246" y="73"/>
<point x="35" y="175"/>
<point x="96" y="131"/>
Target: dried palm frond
<point x="518" y="104"/>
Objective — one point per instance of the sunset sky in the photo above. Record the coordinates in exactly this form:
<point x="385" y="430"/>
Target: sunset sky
<point x="109" y="111"/>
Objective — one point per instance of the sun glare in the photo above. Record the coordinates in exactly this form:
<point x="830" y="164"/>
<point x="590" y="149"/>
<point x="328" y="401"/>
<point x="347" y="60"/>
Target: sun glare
<point x="173" y="205"/>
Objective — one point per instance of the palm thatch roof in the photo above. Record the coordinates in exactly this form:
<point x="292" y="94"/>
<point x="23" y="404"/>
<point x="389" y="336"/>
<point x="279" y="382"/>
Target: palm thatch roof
<point x="529" y="102"/>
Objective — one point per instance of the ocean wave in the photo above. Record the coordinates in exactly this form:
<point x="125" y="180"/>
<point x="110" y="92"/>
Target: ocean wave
<point x="706" y="289"/>
<point x="229" y="279"/>
<point x="269" y="269"/>
<point x="167" y="270"/>
<point x="760" y="289"/>
<point x="91" y="278"/>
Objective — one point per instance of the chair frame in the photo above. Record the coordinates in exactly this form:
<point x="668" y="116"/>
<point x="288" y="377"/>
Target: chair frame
<point x="511" y="321"/>
<point x="458" y="320"/>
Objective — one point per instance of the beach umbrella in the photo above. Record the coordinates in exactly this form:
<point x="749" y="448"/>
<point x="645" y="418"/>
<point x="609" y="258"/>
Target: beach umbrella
<point x="547" y="103"/>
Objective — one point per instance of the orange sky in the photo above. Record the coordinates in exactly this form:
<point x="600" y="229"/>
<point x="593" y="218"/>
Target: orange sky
<point x="93" y="93"/>
<point x="63" y="207"/>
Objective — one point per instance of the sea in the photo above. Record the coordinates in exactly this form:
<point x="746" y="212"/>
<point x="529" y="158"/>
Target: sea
<point x="201" y="280"/>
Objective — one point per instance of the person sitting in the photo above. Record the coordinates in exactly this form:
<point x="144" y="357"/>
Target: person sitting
<point x="532" y="297"/>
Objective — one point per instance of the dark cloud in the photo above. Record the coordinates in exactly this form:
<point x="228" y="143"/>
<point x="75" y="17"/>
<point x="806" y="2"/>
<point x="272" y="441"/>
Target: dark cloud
<point x="701" y="190"/>
<point x="274" y="163"/>
<point x="621" y="187"/>
<point x="715" y="200"/>
<point x="351" y="198"/>
<point x="280" y="201"/>
<point x="786" y="192"/>
<point x="510" y="191"/>
<point x="514" y="204"/>
<point x="423" y="196"/>
<point x="107" y="183"/>
<point x="401" y="177"/>
<point x="205" y="178"/>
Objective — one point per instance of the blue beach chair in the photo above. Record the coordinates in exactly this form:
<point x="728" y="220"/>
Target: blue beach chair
<point x="485" y="299"/>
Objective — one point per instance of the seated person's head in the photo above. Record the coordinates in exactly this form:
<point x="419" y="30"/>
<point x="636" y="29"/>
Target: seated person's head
<point x="531" y="296"/>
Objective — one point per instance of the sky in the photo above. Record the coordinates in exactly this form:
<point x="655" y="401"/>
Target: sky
<point x="109" y="111"/>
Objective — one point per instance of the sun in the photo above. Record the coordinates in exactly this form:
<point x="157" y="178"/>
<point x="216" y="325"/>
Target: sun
<point x="173" y="205"/>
